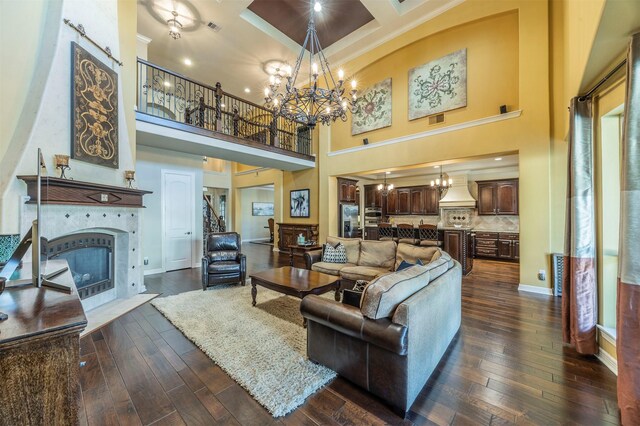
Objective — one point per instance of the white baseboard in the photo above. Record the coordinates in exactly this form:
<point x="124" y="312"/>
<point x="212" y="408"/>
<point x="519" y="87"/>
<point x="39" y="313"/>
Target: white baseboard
<point x="610" y="362"/>
<point x="266" y="239"/>
<point x="535" y="289"/>
<point x="153" y="271"/>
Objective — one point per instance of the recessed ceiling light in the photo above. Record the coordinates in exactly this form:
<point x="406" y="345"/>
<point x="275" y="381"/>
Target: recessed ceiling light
<point x="498" y="158"/>
<point x="435" y="167"/>
<point x="385" y="172"/>
<point x="188" y="62"/>
<point x="247" y="90"/>
<point x="317" y="7"/>
<point x="167" y="84"/>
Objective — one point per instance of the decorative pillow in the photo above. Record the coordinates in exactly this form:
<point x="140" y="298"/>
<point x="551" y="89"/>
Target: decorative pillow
<point x="404" y="265"/>
<point x="437" y="255"/>
<point x="337" y="254"/>
<point x="360" y="285"/>
<point x="352" y="245"/>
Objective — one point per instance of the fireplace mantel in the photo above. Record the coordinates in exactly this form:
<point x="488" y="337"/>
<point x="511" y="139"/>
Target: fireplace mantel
<point x="73" y="192"/>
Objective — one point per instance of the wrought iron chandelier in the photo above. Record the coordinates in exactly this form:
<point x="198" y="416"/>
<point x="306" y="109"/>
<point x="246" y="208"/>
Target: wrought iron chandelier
<point x="322" y="101"/>
<point x="174" y="26"/>
<point x="385" y="188"/>
<point x="441" y="183"/>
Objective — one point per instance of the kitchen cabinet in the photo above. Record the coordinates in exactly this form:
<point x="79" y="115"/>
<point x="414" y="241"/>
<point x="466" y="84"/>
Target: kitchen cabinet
<point x="459" y="245"/>
<point x="371" y="233"/>
<point x="498" y="245"/>
<point x="372" y="197"/>
<point x="416" y="200"/>
<point x="288" y="234"/>
<point x="404" y="201"/>
<point x="498" y="197"/>
<point x="347" y="190"/>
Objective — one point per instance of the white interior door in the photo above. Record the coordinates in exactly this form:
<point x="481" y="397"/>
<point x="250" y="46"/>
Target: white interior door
<point x="179" y="211"/>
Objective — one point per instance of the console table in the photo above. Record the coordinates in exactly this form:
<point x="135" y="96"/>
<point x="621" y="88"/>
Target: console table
<point x="40" y="351"/>
<point x="288" y="233"/>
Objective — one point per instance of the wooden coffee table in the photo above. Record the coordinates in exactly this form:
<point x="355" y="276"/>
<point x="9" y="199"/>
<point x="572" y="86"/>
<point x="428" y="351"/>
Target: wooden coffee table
<point x="294" y="282"/>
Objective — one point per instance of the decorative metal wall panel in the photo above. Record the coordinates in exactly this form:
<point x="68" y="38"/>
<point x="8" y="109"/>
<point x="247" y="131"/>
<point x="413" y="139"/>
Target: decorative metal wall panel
<point x="439" y="85"/>
<point x="94" y="110"/>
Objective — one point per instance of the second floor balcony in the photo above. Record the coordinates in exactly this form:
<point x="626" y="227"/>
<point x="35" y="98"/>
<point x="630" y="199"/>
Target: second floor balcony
<point x="177" y="113"/>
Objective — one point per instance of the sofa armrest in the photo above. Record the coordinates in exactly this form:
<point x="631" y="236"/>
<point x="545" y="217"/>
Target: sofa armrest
<point x="349" y="320"/>
<point x="311" y="257"/>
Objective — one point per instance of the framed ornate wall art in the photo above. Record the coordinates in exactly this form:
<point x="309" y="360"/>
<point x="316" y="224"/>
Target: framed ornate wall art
<point x="94" y="109"/>
<point x="438" y="86"/>
<point x="373" y="108"/>
<point x="300" y="203"/>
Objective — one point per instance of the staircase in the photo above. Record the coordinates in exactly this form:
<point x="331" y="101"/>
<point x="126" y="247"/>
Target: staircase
<point x="211" y="222"/>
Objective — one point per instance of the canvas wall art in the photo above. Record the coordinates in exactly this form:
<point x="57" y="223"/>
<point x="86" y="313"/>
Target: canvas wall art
<point x="438" y="86"/>
<point x="261" y="209"/>
<point x="94" y="110"/>
<point x="373" y="108"/>
<point x="300" y="206"/>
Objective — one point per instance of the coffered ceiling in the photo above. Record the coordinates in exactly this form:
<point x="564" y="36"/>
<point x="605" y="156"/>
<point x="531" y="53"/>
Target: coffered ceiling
<point x="248" y="33"/>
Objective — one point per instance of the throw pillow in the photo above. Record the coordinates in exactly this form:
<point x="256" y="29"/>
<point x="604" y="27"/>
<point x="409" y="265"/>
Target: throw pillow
<point x="360" y="285"/>
<point x="404" y="265"/>
<point x="437" y="255"/>
<point x="337" y="254"/>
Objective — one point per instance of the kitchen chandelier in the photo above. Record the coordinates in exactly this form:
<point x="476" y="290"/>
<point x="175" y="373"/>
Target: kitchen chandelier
<point x="385" y="188"/>
<point x="174" y="26"/>
<point x="323" y="100"/>
<point x="441" y="183"/>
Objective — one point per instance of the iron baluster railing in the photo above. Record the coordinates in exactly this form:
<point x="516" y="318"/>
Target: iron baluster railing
<point x="168" y="95"/>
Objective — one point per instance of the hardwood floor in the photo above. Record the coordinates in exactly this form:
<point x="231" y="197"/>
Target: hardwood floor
<point x="506" y="366"/>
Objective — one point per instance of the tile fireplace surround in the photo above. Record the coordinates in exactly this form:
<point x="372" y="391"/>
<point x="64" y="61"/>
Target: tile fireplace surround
<point x="121" y="222"/>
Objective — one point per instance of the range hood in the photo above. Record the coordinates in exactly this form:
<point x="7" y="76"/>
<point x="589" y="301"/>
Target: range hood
<point x="458" y="195"/>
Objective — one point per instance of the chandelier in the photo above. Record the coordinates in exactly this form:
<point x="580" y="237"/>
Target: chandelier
<point x="441" y="183"/>
<point x="174" y="26"/>
<point x="385" y="188"/>
<point x="322" y="101"/>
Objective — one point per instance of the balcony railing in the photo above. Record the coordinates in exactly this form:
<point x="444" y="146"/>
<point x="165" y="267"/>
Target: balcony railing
<point x="165" y="94"/>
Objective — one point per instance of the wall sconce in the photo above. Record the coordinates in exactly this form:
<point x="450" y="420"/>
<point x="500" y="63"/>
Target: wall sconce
<point x="62" y="163"/>
<point x="129" y="176"/>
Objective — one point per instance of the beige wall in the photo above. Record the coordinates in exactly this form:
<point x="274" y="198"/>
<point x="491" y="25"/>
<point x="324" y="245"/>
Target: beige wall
<point x="127" y="25"/>
<point x="253" y="227"/>
<point x="527" y="134"/>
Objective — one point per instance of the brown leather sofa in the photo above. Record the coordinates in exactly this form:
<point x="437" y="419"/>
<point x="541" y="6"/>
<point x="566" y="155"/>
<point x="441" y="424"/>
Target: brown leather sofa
<point x="224" y="262"/>
<point x="393" y="342"/>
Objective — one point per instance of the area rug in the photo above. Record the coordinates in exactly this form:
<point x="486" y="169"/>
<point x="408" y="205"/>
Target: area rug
<point x="263" y="348"/>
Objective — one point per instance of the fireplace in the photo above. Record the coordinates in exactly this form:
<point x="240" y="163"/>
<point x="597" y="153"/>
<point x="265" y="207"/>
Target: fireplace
<point x="90" y="256"/>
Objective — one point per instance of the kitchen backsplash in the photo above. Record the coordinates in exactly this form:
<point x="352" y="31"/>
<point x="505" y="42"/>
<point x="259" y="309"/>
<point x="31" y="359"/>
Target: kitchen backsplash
<point x="465" y="217"/>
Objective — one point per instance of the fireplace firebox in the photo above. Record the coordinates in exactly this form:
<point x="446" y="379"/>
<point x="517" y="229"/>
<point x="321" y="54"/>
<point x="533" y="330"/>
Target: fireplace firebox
<point x="91" y="260"/>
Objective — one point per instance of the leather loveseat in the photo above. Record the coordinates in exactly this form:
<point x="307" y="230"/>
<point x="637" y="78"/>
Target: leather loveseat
<point x="224" y="263"/>
<point x="367" y="259"/>
<point x="392" y="343"/>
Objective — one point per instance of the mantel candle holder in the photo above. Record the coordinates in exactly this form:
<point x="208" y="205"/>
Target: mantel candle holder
<point x="129" y="176"/>
<point x="62" y="163"/>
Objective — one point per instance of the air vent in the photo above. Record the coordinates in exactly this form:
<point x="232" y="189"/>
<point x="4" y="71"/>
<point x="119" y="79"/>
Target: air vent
<point x="215" y="27"/>
<point x="436" y="119"/>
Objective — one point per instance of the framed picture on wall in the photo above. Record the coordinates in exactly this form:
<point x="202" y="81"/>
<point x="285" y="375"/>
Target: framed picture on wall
<point x="261" y="209"/>
<point x="300" y="206"/>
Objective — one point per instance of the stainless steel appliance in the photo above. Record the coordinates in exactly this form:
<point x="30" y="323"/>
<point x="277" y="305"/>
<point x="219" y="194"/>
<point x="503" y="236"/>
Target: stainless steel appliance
<point x="349" y="220"/>
<point x="372" y="216"/>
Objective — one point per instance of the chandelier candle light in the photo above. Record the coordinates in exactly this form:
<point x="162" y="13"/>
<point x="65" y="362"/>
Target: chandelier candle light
<point x="441" y="183"/>
<point x="174" y="26"/>
<point x="62" y="163"/>
<point x="385" y="188"/>
<point x="323" y="100"/>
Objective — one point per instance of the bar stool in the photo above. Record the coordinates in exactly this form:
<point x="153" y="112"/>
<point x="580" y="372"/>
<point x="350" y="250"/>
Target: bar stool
<point x="385" y="232"/>
<point x="406" y="234"/>
<point x="429" y="235"/>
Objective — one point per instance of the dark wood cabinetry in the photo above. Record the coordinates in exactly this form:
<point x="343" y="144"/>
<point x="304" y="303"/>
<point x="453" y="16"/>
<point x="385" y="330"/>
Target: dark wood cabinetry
<point x="499" y="245"/>
<point x="498" y="197"/>
<point x="372" y="197"/>
<point x="459" y="245"/>
<point x="347" y="190"/>
<point x="371" y="233"/>
<point x="288" y="234"/>
<point x="418" y="200"/>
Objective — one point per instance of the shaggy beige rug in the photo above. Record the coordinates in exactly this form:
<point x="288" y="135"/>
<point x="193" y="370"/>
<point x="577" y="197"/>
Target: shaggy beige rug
<point x="263" y="348"/>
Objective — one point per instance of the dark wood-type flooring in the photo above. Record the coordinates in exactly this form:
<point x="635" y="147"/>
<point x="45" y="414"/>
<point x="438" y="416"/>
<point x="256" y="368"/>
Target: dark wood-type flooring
<point x="507" y="366"/>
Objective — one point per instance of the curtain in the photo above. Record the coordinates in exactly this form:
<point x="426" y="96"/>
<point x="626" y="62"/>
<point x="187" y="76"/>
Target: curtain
<point x="579" y="291"/>
<point x="628" y="305"/>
